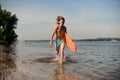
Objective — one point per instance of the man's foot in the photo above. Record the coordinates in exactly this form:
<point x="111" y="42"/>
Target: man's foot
<point x="61" y="62"/>
<point x="56" y="59"/>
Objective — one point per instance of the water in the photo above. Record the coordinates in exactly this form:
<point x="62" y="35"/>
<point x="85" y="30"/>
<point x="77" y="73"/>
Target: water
<point x="32" y="60"/>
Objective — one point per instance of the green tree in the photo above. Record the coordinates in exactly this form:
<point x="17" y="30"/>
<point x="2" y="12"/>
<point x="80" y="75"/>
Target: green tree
<point x="8" y="24"/>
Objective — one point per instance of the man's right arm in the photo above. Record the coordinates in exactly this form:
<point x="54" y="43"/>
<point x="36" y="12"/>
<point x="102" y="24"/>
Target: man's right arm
<point x="53" y="33"/>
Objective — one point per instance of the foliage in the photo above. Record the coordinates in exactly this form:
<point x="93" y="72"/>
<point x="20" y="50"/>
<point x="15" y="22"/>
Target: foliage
<point x="8" y="24"/>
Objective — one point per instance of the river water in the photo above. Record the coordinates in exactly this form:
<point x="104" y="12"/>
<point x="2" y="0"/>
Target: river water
<point x="32" y="60"/>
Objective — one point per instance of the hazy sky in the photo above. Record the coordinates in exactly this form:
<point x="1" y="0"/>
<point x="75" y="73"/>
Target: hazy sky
<point x="84" y="18"/>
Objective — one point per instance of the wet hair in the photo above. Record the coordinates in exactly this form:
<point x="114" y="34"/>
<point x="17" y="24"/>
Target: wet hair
<point x="60" y="18"/>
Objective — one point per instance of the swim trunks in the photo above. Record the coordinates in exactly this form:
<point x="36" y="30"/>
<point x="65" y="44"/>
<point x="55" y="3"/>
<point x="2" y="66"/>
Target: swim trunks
<point x="59" y="43"/>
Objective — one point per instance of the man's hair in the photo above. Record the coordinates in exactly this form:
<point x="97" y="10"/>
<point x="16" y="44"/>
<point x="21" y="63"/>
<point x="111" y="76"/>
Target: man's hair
<point x="60" y="18"/>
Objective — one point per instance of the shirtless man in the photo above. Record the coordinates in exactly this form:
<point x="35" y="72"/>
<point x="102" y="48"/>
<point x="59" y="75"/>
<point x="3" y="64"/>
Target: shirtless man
<point x="60" y="31"/>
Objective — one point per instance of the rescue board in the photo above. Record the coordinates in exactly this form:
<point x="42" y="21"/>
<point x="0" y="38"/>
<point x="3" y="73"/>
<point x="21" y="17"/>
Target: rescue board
<point x="71" y="45"/>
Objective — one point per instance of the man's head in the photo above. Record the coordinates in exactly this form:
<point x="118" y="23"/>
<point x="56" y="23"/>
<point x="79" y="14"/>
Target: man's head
<point x="60" y="18"/>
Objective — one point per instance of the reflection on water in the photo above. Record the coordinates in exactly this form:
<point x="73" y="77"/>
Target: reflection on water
<point x="7" y="64"/>
<point x="60" y="74"/>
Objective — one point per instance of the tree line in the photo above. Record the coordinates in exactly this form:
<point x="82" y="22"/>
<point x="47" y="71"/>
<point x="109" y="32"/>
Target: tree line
<point x="8" y="24"/>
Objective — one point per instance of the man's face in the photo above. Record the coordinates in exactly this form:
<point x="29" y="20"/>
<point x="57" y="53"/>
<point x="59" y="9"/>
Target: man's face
<point x="61" y="22"/>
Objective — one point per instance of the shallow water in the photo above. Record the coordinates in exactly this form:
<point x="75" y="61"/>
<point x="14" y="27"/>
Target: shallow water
<point x="32" y="60"/>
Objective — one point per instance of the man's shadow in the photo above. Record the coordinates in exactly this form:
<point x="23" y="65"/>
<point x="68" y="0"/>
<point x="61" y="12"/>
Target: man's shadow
<point x="60" y="74"/>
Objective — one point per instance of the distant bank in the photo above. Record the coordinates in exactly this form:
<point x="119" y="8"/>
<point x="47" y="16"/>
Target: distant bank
<point x="96" y="39"/>
<point x="101" y="39"/>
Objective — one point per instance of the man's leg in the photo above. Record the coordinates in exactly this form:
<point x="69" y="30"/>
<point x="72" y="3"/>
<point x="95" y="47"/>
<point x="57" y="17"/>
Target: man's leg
<point x="57" y="53"/>
<point x="62" y="53"/>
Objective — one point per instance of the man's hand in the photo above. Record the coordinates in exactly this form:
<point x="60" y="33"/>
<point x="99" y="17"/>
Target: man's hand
<point x="51" y="43"/>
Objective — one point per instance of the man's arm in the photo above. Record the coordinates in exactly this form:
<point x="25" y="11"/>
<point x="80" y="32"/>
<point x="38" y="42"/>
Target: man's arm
<point x="51" y="39"/>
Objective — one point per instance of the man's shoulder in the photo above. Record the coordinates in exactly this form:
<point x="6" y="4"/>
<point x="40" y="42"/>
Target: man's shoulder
<point x="55" y="28"/>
